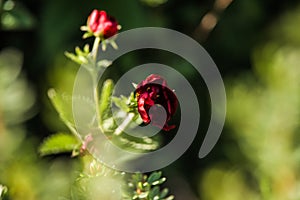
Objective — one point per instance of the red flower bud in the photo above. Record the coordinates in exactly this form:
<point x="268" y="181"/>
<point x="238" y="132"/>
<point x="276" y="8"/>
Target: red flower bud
<point x="153" y="90"/>
<point x="102" y="24"/>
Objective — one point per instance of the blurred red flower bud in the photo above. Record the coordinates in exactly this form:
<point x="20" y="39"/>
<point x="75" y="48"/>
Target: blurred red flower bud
<point x="101" y="24"/>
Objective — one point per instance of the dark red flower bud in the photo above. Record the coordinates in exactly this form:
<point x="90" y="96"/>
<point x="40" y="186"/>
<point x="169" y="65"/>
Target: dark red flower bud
<point x="101" y="24"/>
<point x="154" y="90"/>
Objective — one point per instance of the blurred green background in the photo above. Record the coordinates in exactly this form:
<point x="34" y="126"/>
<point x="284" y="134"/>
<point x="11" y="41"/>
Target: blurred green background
<point x="255" y="44"/>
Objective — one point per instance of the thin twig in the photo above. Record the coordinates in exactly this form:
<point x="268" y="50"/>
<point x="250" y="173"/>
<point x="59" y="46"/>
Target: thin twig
<point x="210" y="20"/>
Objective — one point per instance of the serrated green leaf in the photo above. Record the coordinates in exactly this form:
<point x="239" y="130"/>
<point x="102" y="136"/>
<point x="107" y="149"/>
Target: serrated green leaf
<point x="63" y="106"/>
<point x="155" y="176"/>
<point x="59" y="143"/>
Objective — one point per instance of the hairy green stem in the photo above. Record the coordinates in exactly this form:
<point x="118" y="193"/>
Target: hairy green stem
<point x="95" y="74"/>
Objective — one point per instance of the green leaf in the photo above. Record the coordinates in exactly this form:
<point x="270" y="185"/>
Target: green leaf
<point x="160" y="181"/>
<point x="105" y="99"/>
<point x="59" y="143"/>
<point x="63" y="105"/>
<point x="80" y="56"/>
<point x="170" y="198"/>
<point x="140" y="187"/>
<point x="164" y="193"/>
<point x="138" y="177"/>
<point x="121" y="102"/>
<point x="154" y="192"/>
<point x="73" y="57"/>
<point x="86" y="49"/>
<point x="155" y="176"/>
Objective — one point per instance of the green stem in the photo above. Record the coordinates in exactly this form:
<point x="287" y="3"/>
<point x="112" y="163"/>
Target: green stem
<point x="96" y="99"/>
<point x="124" y="124"/>
<point x="95" y="74"/>
<point x="95" y="48"/>
<point x="73" y="130"/>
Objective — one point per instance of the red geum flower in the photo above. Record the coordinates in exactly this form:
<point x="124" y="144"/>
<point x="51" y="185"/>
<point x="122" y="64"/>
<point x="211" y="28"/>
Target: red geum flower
<point x="153" y="90"/>
<point x="101" y="24"/>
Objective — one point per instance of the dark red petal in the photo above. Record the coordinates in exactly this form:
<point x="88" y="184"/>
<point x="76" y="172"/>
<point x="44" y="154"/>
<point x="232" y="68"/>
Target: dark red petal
<point x="141" y="108"/>
<point x="154" y="90"/>
<point x="153" y="78"/>
<point x="168" y="127"/>
<point x="171" y="100"/>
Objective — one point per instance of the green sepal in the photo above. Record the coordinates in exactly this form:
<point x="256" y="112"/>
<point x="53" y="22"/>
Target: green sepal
<point x="87" y="35"/>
